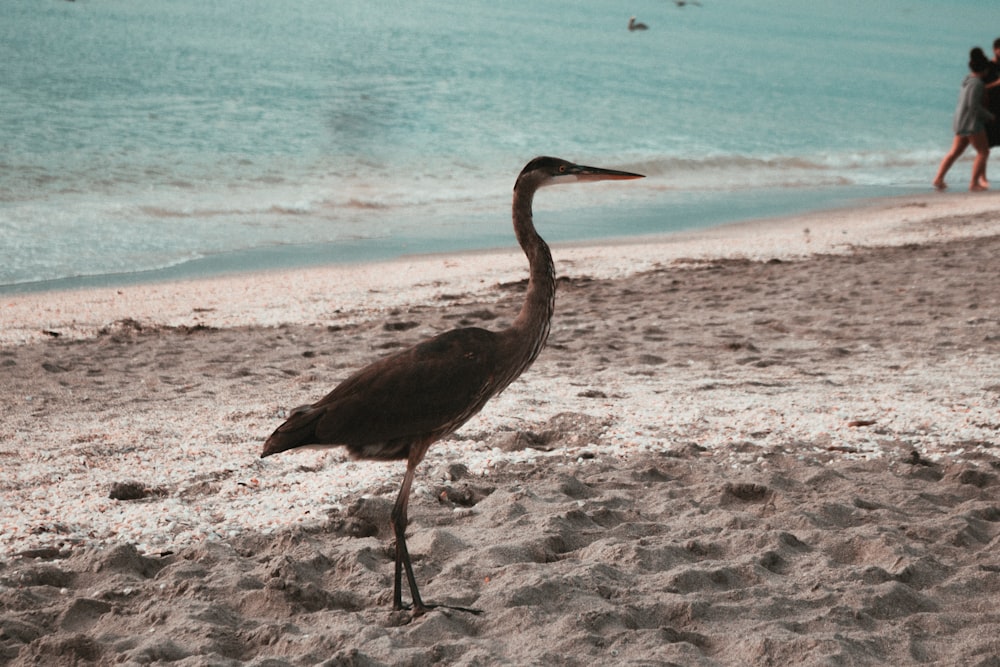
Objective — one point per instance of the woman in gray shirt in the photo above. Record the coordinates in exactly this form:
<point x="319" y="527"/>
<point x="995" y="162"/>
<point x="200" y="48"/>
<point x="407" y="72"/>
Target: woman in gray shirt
<point x="969" y="125"/>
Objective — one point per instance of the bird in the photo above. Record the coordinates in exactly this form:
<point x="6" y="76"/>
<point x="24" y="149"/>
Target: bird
<point x="398" y="406"/>
<point x="632" y="25"/>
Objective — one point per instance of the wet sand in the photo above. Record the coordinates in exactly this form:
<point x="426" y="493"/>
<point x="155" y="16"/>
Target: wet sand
<point x="774" y="443"/>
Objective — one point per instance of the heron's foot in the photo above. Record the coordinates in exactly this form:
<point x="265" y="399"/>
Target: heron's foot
<point x="940" y="185"/>
<point x="425" y="607"/>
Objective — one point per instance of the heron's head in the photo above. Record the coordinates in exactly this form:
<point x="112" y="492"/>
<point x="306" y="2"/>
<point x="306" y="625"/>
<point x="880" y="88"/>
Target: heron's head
<point x="544" y="171"/>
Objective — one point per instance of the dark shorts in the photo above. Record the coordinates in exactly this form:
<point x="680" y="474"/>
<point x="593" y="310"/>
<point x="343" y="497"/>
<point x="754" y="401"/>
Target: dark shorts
<point x="993" y="133"/>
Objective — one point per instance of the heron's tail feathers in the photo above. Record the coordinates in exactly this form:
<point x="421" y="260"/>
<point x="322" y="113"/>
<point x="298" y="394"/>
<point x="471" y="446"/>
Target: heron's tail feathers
<point x="299" y="430"/>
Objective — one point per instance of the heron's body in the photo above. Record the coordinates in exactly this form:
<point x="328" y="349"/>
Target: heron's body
<point x="396" y="407"/>
<point x="416" y="395"/>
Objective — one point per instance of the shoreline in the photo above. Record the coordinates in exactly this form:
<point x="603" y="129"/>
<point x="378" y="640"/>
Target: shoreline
<point x="653" y="212"/>
<point x="325" y="293"/>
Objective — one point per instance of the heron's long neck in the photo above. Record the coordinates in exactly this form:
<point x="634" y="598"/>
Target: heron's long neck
<point x="531" y="326"/>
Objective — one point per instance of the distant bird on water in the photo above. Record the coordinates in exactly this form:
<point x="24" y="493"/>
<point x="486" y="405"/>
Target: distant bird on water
<point x="633" y="25"/>
<point x="397" y="407"/>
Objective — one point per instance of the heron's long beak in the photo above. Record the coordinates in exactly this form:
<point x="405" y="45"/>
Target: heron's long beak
<point x="583" y="173"/>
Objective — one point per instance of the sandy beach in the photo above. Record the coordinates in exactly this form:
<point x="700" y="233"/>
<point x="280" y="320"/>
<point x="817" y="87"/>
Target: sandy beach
<point x="771" y="443"/>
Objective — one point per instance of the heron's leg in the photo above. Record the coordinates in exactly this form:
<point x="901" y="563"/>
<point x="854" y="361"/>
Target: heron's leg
<point x="403" y="555"/>
<point x="399" y="521"/>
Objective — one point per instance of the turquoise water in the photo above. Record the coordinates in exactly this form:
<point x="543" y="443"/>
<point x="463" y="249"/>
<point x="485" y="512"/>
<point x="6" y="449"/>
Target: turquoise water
<point x="154" y="139"/>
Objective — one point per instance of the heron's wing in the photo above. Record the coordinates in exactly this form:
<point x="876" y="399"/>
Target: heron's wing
<point x="425" y="391"/>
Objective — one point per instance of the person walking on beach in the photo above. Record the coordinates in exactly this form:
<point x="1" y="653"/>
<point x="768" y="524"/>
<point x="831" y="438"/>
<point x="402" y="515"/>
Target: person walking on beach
<point x="969" y="125"/>
<point x="991" y="100"/>
<point x="992" y="82"/>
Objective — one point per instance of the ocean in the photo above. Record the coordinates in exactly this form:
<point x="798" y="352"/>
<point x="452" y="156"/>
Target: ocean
<point x="155" y="140"/>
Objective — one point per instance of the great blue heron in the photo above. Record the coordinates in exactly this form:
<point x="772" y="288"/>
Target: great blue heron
<point x="396" y="407"/>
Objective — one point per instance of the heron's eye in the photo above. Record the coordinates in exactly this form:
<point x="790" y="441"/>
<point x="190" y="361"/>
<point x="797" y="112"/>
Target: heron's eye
<point x="562" y="169"/>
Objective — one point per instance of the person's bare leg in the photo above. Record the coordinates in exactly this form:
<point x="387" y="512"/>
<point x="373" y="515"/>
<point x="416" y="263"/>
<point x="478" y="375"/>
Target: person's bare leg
<point x="982" y="146"/>
<point x="958" y="147"/>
